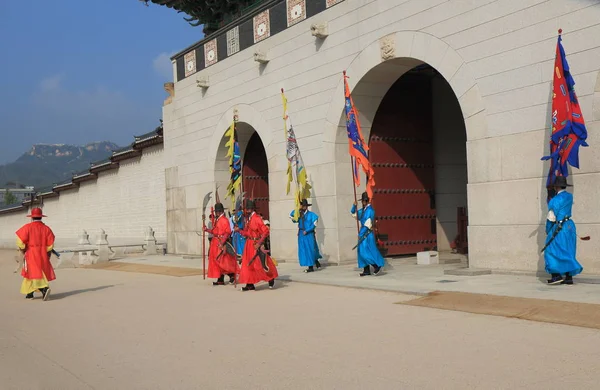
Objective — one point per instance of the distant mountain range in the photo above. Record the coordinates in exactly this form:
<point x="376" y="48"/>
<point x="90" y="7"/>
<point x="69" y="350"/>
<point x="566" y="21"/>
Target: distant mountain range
<point x="44" y="165"/>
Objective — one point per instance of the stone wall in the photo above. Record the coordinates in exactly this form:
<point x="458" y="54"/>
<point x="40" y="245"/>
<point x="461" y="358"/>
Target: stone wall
<point x="496" y="55"/>
<point x="123" y="202"/>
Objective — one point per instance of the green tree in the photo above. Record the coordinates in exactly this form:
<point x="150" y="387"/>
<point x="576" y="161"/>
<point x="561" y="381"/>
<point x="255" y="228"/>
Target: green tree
<point x="10" y="198"/>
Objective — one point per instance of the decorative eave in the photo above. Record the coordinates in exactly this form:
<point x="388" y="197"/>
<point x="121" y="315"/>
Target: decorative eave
<point x="103" y="165"/>
<point x="47" y="194"/>
<point x="125" y="153"/>
<point x="257" y="25"/>
<point x="84" y="176"/>
<point x="12" y="209"/>
<point x="149" y="139"/>
<point x="64" y="186"/>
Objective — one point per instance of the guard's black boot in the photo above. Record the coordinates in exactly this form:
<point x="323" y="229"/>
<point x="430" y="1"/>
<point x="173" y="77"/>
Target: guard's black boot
<point x="45" y="293"/>
<point x="271" y="283"/>
<point x="29" y="296"/>
<point x="249" y="287"/>
<point x="556" y="279"/>
<point x="366" y="271"/>
<point x="231" y="278"/>
<point x="376" y="269"/>
<point x="568" y="279"/>
<point x="317" y="264"/>
<point x="220" y="281"/>
<point x="310" y="269"/>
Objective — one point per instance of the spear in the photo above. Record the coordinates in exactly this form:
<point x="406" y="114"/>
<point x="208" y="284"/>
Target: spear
<point x="204" y="204"/>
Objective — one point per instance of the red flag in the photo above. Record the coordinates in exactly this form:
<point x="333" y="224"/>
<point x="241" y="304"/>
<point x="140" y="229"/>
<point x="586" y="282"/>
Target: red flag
<point x="357" y="147"/>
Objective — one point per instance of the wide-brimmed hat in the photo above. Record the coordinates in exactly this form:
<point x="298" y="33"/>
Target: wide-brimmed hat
<point x="36" y="212"/>
<point x="304" y="202"/>
<point x="364" y="197"/>
<point x="561" y="181"/>
<point x="219" y="207"/>
<point x="250" y="205"/>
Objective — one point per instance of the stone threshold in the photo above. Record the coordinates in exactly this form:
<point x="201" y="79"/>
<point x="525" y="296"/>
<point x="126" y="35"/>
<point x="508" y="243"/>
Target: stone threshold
<point x="586" y="279"/>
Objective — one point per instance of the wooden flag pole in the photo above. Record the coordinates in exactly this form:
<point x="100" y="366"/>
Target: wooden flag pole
<point x="354" y="188"/>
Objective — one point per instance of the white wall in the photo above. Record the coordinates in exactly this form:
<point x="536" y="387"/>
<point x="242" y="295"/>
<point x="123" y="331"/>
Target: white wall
<point x="123" y="202"/>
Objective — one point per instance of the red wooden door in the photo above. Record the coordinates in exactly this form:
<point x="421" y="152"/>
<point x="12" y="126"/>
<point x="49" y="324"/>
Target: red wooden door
<point x="256" y="175"/>
<point x="401" y="152"/>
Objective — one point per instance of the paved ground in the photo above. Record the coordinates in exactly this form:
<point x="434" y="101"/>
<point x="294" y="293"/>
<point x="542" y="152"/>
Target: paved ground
<point x="120" y="330"/>
<point x="406" y="277"/>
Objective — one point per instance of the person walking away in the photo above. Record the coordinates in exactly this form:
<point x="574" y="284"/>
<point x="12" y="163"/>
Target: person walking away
<point x="36" y="241"/>
<point x="561" y="239"/>
<point x="308" y="249"/>
<point x="368" y="254"/>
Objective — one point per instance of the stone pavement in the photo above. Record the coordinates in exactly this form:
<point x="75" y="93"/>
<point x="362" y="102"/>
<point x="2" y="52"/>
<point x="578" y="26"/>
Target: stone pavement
<point x="405" y="276"/>
<point x="120" y="330"/>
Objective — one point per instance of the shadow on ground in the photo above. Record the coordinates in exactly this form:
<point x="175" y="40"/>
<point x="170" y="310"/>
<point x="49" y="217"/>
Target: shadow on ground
<point x="61" y="295"/>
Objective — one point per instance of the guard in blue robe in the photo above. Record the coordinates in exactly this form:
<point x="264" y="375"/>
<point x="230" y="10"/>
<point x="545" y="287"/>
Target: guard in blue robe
<point x="238" y="240"/>
<point x="368" y="254"/>
<point x="561" y="240"/>
<point x="308" y="249"/>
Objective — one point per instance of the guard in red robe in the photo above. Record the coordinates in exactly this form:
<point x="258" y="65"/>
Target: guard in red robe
<point x="221" y="261"/>
<point x="257" y="265"/>
<point x="36" y="241"/>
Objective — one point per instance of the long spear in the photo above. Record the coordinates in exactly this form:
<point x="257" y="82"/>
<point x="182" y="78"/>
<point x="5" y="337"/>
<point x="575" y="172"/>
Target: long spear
<point x="204" y="204"/>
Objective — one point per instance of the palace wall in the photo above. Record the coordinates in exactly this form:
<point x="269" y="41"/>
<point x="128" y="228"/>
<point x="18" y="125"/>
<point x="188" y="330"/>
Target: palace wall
<point x="496" y="55"/>
<point x="123" y="202"/>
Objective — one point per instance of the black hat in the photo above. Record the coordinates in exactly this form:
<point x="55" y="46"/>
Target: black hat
<point x="250" y="205"/>
<point x="304" y="202"/>
<point x="561" y="181"/>
<point x="364" y="197"/>
<point x="219" y="208"/>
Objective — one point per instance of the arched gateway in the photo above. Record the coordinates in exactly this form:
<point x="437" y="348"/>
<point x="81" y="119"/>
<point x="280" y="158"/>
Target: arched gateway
<point x="416" y="99"/>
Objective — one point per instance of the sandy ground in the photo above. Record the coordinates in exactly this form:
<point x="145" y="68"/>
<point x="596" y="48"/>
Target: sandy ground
<point x="121" y="330"/>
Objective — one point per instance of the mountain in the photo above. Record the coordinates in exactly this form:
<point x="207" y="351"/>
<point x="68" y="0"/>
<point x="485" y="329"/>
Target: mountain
<point x="44" y="165"/>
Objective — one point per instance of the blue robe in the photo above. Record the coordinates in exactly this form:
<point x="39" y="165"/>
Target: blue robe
<point x="368" y="254"/>
<point x="308" y="249"/>
<point x="237" y="239"/>
<point x="559" y="256"/>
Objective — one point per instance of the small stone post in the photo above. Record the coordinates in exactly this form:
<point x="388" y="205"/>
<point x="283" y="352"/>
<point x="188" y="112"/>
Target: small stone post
<point x="149" y="242"/>
<point x="84" y="238"/>
<point x="103" y="249"/>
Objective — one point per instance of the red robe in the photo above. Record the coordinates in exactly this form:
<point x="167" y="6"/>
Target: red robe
<point x="37" y="238"/>
<point x="225" y="263"/>
<point x="255" y="231"/>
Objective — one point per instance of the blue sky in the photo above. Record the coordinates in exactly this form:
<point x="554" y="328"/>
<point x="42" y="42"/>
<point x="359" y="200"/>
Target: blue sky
<point x="78" y="71"/>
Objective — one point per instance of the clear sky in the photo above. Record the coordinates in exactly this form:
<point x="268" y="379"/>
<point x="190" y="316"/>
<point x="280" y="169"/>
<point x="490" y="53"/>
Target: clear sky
<point x="79" y="71"/>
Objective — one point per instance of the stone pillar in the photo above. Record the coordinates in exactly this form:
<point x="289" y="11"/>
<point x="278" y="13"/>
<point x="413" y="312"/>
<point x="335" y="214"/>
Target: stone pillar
<point x="149" y="242"/>
<point x="85" y="258"/>
<point x="103" y="249"/>
<point x="84" y="238"/>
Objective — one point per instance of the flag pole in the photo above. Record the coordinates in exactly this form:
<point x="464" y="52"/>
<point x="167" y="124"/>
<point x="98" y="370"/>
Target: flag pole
<point x="354" y="188"/>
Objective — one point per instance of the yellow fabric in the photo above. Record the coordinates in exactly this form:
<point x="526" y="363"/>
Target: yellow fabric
<point x="31" y="285"/>
<point x="232" y="187"/>
<point x="49" y="248"/>
<point x="296" y="171"/>
<point x="20" y="243"/>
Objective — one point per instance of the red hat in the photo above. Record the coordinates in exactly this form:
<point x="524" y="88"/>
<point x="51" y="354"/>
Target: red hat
<point x="36" y="213"/>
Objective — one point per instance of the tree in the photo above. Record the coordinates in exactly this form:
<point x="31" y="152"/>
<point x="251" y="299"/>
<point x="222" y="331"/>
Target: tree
<point x="10" y="198"/>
